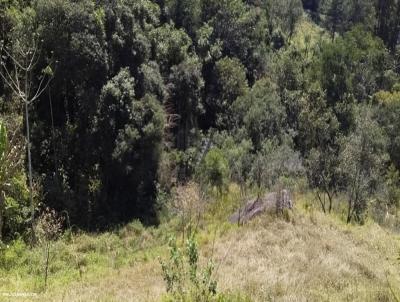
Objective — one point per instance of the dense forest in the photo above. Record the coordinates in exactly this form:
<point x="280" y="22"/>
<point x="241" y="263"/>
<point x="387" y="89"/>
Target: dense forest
<point x="106" y="105"/>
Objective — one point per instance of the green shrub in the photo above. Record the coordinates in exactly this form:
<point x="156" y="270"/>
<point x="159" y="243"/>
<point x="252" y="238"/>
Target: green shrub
<point x="12" y="255"/>
<point x="135" y="228"/>
<point x="185" y="280"/>
<point x="215" y="169"/>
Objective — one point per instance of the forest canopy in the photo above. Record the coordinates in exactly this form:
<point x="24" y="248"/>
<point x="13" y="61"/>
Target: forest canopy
<point x="127" y="98"/>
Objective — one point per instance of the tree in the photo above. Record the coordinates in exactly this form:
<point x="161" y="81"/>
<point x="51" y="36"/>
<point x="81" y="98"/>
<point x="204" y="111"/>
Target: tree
<point x="65" y="157"/>
<point x="127" y="25"/>
<point x="388" y="116"/>
<point x="215" y="169"/>
<point x="185" y="88"/>
<point x="230" y="21"/>
<point x="48" y="228"/>
<point x="18" y="69"/>
<point x="322" y="175"/>
<point x="340" y="16"/>
<point x="170" y="46"/>
<point x="150" y="81"/>
<point x="284" y="15"/>
<point x="259" y="174"/>
<point x="184" y="101"/>
<point x="388" y="27"/>
<point x="362" y="160"/>
<point x="11" y="160"/>
<point x="363" y="12"/>
<point x="274" y="162"/>
<point x="185" y="14"/>
<point x="238" y="154"/>
<point x="312" y="5"/>
<point x="130" y="132"/>
<point x="335" y="16"/>
<point x="350" y="70"/>
<point x="261" y="112"/>
<point x="318" y="141"/>
<point x="229" y="83"/>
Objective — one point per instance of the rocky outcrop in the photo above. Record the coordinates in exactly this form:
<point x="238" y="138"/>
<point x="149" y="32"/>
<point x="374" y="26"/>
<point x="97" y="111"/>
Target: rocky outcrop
<point x="274" y="201"/>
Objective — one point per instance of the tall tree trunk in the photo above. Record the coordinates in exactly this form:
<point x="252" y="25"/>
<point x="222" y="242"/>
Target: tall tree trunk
<point x="330" y="199"/>
<point x="396" y="28"/>
<point x="349" y="212"/>
<point x="46" y="269"/>
<point x="28" y="144"/>
<point x="321" y="202"/>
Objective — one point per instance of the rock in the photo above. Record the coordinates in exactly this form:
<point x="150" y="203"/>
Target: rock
<point x="270" y="202"/>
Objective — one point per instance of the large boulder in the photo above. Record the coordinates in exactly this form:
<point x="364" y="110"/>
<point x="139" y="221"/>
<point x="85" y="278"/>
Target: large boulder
<point x="274" y="201"/>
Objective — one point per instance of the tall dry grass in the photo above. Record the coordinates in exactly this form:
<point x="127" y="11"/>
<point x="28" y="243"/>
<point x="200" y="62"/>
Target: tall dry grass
<point x="305" y="256"/>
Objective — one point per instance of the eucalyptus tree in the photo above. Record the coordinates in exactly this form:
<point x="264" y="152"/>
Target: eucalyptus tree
<point x="284" y="15"/>
<point x="229" y="83"/>
<point x="130" y="133"/>
<point x="66" y="157"/>
<point x="261" y="113"/>
<point x="388" y="117"/>
<point x="318" y="136"/>
<point x="388" y="22"/>
<point x="185" y="90"/>
<point x="18" y="68"/>
<point x="362" y="163"/>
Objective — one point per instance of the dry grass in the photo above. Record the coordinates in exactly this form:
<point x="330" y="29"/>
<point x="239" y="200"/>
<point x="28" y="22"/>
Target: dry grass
<point x="141" y="283"/>
<point x="311" y="258"/>
<point x="307" y="257"/>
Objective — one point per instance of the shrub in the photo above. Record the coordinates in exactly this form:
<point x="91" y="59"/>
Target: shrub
<point x="188" y="205"/>
<point x="11" y="255"/>
<point x="215" y="169"/>
<point x="185" y="280"/>
<point x="47" y="229"/>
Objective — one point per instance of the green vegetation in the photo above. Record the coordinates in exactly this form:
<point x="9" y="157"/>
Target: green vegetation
<point x="125" y="123"/>
<point x="271" y="255"/>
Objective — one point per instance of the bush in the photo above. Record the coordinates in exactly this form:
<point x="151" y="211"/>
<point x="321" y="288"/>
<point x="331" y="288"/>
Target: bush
<point x="185" y="280"/>
<point x="215" y="169"/>
<point x="12" y="255"/>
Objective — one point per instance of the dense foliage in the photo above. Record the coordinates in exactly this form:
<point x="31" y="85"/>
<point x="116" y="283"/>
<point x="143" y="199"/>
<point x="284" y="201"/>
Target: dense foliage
<point x="147" y="93"/>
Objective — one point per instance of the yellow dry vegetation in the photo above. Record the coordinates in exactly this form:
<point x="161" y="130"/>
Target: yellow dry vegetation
<point x="306" y="256"/>
<point x="311" y="258"/>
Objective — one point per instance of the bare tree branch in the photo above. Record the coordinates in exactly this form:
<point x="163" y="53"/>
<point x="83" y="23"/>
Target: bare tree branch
<point x="40" y="89"/>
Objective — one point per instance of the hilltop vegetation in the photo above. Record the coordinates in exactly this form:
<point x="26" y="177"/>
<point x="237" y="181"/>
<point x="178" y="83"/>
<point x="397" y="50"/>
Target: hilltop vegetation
<point x="126" y="122"/>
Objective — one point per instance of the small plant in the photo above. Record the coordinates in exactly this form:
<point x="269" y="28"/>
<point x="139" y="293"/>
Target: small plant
<point x="215" y="170"/>
<point x="188" y="204"/>
<point x="185" y="280"/>
<point x="12" y="254"/>
<point x="48" y="228"/>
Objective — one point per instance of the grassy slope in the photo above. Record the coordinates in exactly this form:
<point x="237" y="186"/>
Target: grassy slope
<point x="311" y="258"/>
<point x="307" y="257"/>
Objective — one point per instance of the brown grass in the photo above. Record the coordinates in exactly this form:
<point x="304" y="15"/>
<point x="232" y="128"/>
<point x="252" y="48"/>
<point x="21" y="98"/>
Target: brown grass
<point x="140" y="283"/>
<point x="312" y="258"/>
<point x="308" y="256"/>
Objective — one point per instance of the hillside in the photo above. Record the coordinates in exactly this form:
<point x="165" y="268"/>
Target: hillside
<point x="308" y="256"/>
<point x="132" y="130"/>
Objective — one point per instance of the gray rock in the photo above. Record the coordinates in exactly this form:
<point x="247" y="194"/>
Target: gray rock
<point x="273" y="201"/>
